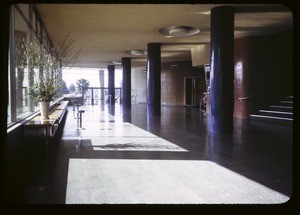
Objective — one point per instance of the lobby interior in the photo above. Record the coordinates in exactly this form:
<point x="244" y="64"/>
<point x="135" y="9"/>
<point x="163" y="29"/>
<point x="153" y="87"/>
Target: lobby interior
<point x="198" y="120"/>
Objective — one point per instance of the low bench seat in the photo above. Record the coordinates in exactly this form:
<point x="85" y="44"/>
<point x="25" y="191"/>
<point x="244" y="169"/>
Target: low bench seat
<point x="47" y="129"/>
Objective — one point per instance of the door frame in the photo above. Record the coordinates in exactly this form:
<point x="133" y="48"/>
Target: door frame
<point x="194" y="92"/>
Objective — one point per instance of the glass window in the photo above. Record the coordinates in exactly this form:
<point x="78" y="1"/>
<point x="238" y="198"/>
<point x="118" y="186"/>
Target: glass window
<point x="21" y="36"/>
<point x="9" y="94"/>
<point x="25" y="9"/>
<point x="44" y="39"/>
<point x="33" y="23"/>
<point x="118" y="77"/>
<point x="22" y="71"/>
<point x="34" y="74"/>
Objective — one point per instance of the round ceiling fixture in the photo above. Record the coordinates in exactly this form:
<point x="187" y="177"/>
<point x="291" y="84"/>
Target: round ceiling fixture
<point x="136" y="52"/>
<point x="179" y="31"/>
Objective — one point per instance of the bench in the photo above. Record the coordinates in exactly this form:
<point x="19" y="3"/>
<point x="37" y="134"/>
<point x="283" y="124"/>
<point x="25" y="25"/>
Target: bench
<point x="47" y="129"/>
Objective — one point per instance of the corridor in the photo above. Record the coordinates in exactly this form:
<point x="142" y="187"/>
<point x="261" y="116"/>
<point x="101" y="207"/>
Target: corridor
<point x="128" y="158"/>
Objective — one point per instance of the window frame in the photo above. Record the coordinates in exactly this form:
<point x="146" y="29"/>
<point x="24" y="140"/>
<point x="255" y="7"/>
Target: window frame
<point x="32" y="20"/>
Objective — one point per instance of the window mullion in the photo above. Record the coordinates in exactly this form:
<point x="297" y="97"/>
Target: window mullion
<point x="13" y="108"/>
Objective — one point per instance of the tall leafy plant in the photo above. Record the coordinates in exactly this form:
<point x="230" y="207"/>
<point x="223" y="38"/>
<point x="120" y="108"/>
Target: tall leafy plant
<point x="43" y="86"/>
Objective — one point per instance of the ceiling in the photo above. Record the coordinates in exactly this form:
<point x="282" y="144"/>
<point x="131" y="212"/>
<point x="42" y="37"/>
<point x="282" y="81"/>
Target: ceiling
<point x="106" y="31"/>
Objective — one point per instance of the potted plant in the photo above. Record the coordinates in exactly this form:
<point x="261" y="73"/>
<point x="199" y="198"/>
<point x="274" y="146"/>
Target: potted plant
<point x="46" y="85"/>
<point x="43" y="85"/>
<point x="44" y="92"/>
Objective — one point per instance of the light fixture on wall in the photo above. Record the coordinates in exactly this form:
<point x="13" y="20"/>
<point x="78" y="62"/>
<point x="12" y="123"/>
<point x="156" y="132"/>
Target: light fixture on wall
<point x="136" y="52"/>
<point x="174" y="66"/>
<point x="117" y="62"/>
<point x="179" y="31"/>
<point x="208" y="12"/>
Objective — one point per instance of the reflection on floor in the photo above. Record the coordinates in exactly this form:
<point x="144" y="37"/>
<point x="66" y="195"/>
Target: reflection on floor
<point x="129" y="158"/>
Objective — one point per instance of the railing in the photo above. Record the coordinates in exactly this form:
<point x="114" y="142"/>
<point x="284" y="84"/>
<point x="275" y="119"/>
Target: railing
<point x="119" y="96"/>
<point x="262" y="97"/>
<point x="257" y="92"/>
<point x="94" y="95"/>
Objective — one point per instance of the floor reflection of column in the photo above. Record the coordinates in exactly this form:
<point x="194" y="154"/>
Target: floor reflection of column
<point x="126" y="114"/>
<point x="79" y="120"/>
<point x="79" y="144"/>
<point x="111" y="109"/>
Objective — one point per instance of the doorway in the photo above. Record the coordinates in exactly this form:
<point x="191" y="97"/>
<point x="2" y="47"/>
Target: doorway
<point x="193" y="91"/>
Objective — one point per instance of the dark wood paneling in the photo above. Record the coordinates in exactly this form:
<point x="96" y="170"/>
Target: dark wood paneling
<point x="172" y="81"/>
<point x="263" y="67"/>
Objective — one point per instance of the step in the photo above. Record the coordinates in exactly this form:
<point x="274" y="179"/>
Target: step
<point x="272" y="114"/>
<point x="280" y="106"/>
<point x="284" y="103"/>
<point x="276" y="112"/>
<point x="271" y="117"/>
<point x="280" y="110"/>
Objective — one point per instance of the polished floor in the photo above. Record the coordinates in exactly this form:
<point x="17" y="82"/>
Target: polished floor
<point x="127" y="157"/>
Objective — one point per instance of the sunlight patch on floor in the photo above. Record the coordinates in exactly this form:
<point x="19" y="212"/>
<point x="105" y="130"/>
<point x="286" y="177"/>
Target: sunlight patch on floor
<point x="122" y="181"/>
<point x="125" y="136"/>
<point x="108" y="132"/>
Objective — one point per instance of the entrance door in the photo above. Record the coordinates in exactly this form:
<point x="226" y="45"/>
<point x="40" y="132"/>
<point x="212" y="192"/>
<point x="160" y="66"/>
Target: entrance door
<point x="193" y="91"/>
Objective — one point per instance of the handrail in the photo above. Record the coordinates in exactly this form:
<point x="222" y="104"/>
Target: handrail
<point x="117" y="97"/>
<point x="256" y="93"/>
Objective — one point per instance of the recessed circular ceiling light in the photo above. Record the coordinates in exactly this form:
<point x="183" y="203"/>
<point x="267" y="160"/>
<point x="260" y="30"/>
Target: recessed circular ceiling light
<point x="179" y="31"/>
<point x="136" y="52"/>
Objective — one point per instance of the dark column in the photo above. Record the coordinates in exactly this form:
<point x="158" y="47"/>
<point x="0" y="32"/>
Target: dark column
<point x="221" y="74"/>
<point x="111" y="84"/>
<point x="126" y="84"/>
<point x="153" y="79"/>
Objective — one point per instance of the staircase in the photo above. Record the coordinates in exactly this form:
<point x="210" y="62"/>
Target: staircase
<point x="281" y="110"/>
